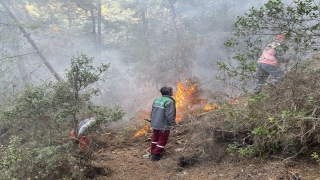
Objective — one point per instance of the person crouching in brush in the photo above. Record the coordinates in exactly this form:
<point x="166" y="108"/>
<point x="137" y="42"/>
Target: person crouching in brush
<point x="79" y="134"/>
<point x="163" y="115"/>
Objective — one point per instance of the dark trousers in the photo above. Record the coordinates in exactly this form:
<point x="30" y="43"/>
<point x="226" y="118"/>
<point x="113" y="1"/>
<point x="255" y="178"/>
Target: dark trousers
<point x="159" y="140"/>
<point x="263" y="72"/>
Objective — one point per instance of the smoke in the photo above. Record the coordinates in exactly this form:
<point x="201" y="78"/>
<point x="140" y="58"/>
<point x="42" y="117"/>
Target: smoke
<point x="208" y="23"/>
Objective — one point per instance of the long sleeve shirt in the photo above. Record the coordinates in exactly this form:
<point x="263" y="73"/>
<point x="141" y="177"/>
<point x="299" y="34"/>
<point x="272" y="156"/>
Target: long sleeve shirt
<point x="163" y="113"/>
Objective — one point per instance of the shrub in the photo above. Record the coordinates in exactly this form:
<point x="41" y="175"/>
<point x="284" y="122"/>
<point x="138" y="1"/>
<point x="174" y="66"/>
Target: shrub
<point x="283" y="119"/>
<point x="41" y="120"/>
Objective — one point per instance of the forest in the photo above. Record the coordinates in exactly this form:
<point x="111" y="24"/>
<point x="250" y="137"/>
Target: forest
<point x="63" y="61"/>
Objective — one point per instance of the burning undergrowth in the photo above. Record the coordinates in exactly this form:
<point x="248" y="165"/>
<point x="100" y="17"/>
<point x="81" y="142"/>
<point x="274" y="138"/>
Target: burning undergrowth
<point x="188" y="102"/>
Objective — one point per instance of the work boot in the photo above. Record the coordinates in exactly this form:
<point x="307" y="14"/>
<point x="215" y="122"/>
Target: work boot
<point x="160" y="155"/>
<point x="155" y="157"/>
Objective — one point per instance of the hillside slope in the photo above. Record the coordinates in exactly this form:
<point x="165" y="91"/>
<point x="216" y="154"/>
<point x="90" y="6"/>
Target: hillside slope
<point x="120" y="155"/>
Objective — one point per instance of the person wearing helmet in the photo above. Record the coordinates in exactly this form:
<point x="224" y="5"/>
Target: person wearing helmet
<point x="163" y="115"/>
<point x="269" y="63"/>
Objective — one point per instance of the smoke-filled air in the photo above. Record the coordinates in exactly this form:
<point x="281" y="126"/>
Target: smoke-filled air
<point x="170" y="81"/>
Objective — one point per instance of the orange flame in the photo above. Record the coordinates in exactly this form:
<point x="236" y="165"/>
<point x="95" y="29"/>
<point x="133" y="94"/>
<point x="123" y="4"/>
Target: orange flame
<point x="210" y="107"/>
<point x="143" y="131"/>
<point x="184" y="94"/>
<point x="183" y="99"/>
<point x="179" y="96"/>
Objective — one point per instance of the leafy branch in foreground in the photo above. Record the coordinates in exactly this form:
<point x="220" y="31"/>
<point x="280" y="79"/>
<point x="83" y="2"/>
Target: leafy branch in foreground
<point x="41" y="119"/>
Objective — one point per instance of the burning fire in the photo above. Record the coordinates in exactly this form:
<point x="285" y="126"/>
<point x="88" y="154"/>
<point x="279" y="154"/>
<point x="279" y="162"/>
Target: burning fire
<point x="185" y="99"/>
<point x="144" y="130"/>
<point x="185" y="94"/>
<point x="180" y="98"/>
<point x="210" y="107"/>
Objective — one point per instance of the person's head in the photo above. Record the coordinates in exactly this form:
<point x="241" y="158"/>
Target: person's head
<point x="281" y="37"/>
<point x="166" y="91"/>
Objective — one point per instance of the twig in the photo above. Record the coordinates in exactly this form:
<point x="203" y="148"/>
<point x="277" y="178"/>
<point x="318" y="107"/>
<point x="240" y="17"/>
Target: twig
<point x="295" y="154"/>
<point x="314" y="111"/>
<point x="244" y="139"/>
<point x="20" y="55"/>
<point x="277" y="157"/>
<point x="305" y="118"/>
<point x="105" y="134"/>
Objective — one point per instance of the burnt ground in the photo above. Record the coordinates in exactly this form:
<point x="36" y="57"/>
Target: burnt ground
<point x="120" y="155"/>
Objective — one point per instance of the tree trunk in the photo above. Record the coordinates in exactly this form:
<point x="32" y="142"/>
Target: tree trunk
<point x="173" y="20"/>
<point x="25" y="34"/>
<point x="144" y="21"/>
<point x="99" y="25"/>
<point x="93" y="22"/>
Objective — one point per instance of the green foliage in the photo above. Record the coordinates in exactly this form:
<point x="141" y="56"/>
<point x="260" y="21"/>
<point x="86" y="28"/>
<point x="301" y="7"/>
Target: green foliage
<point x="82" y="73"/>
<point x="34" y="162"/>
<point x="10" y="159"/>
<point x="234" y="149"/>
<point x="316" y="157"/>
<point x="311" y="99"/>
<point x="299" y="20"/>
<point x="105" y="115"/>
<point x="283" y="118"/>
<point x="42" y="118"/>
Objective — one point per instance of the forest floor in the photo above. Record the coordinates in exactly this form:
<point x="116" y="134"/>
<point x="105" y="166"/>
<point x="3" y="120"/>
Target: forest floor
<point x="120" y="155"/>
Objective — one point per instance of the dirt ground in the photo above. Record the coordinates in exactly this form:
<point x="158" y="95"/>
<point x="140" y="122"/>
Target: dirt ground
<point x="120" y="155"/>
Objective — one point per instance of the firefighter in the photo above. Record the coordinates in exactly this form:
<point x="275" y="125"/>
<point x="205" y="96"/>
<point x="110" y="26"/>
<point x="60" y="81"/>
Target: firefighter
<point x="163" y="115"/>
<point x="269" y="63"/>
<point x="79" y="134"/>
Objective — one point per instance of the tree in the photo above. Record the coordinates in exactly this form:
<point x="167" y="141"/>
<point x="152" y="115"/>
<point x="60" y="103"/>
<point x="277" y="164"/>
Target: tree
<point x="283" y="119"/>
<point x="43" y="116"/>
<point x="299" y="20"/>
<point x="159" y="46"/>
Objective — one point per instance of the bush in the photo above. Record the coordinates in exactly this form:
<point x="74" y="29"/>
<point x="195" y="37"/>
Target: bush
<point x="283" y="119"/>
<point x="41" y="120"/>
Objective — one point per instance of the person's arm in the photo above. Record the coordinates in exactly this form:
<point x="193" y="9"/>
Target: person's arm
<point x="279" y="52"/>
<point x="152" y="107"/>
<point x="170" y="113"/>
